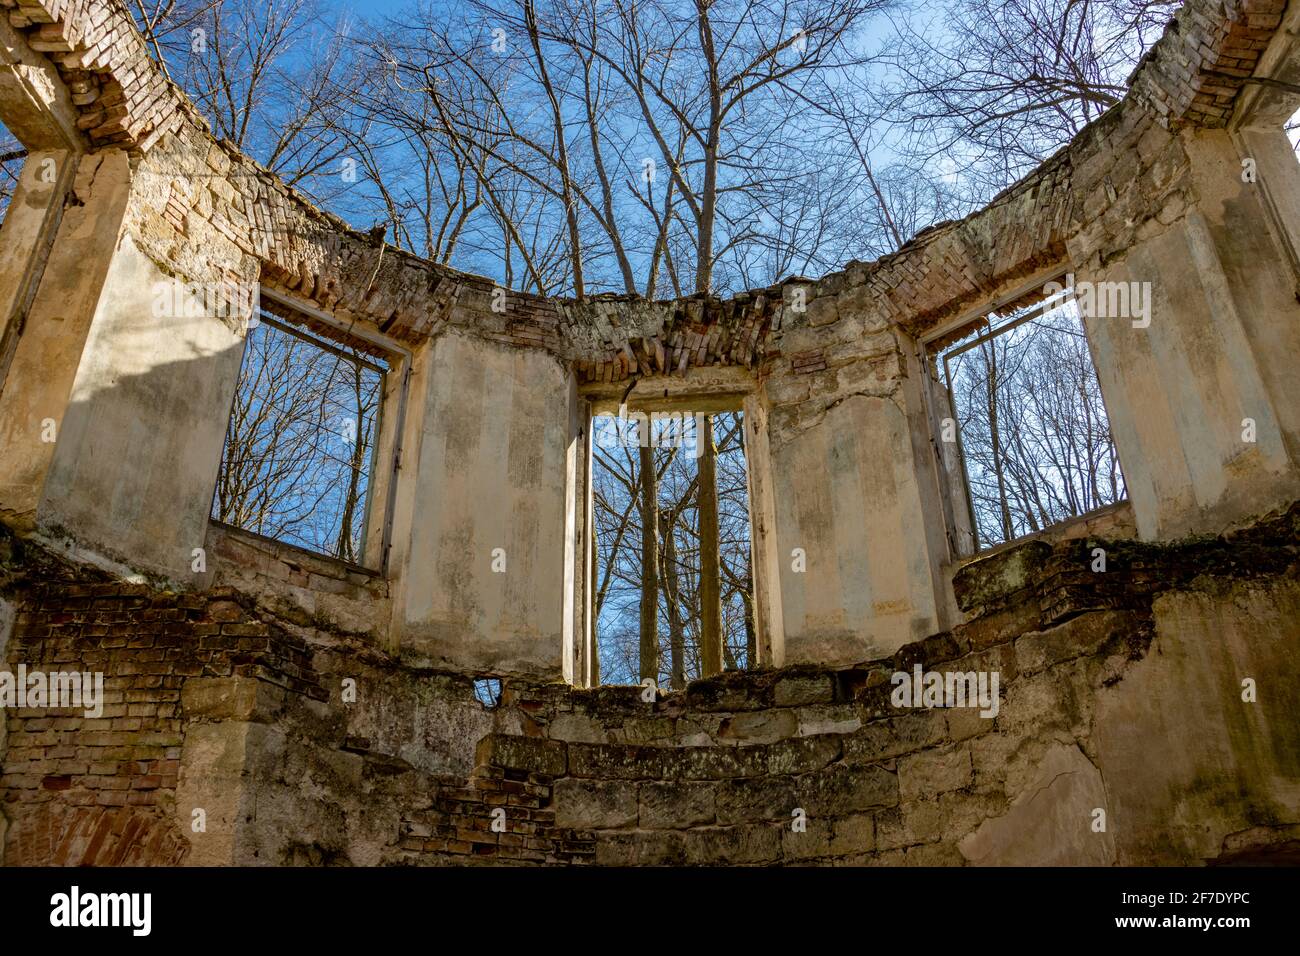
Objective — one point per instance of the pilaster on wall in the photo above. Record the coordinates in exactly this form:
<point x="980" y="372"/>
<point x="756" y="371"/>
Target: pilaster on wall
<point x="1258" y="127"/>
<point x="37" y="386"/>
<point x="484" y="584"/>
<point x="37" y="108"/>
<point x="1204" y="401"/>
<point x="29" y="225"/>
<point x="856" y="537"/>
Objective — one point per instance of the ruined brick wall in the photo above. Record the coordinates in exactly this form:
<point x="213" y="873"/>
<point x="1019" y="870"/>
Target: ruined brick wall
<point x="1101" y="674"/>
<point x="298" y="586"/>
<point x="213" y="703"/>
<point x="102" y="790"/>
<point x="1195" y="74"/>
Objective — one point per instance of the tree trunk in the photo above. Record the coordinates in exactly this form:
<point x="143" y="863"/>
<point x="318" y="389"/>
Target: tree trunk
<point x="592" y="553"/>
<point x="343" y="548"/>
<point x="672" y="595"/>
<point x="709" y="193"/>
<point x="991" y="363"/>
<point x="649" y="560"/>
<point x="710" y="590"/>
<point x="704" y="243"/>
<point x="562" y="153"/>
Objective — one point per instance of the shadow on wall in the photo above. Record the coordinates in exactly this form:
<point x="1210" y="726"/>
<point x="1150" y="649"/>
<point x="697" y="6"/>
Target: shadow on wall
<point x="139" y="446"/>
<point x="114" y="410"/>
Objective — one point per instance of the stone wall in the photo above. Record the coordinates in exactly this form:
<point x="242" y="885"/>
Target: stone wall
<point x="1094" y="668"/>
<point x="1120" y="691"/>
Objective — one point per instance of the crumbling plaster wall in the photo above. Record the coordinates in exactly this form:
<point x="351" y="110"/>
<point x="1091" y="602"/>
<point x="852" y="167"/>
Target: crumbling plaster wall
<point x="491" y="527"/>
<point x="1145" y="194"/>
<point x="1202" y="400"/>
<point x="227" y="686"/>
<point x="44" y="358"/>
<point x="138" y="492"/>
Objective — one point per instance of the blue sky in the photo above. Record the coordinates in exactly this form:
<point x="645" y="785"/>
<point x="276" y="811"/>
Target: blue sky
<point x="371" y="7"/>
<point x="358" y="207"/>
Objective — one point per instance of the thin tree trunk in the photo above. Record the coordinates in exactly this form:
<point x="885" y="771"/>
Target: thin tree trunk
<point x="562" y="153"/>
<point x="606" y="190"/>
<point x="709" y="194"/>
<point x="710" y="591"/>
<point x="991" y="364"/>
<point x="729" y="657"/>
<point x="649" y="560"/>
<point x="594" y="667"/>
<point x="343" y="548"/>
<point x="672" y="594"/>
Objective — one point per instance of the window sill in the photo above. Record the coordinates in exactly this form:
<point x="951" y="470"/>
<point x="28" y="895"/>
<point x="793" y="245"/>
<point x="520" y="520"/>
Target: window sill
<point x="302" y="567"/>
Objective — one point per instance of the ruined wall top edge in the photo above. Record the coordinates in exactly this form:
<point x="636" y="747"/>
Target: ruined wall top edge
<point x="1190" y="78"/>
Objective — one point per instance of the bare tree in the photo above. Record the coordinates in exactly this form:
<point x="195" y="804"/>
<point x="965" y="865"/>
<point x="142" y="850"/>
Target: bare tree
<point x="1037" y="442"/>
<point x="295" y="465"/>
<point x="268" y="74"/>
<point x="170" y="27"/>
<point x="996" y="85"/>
<point x="710" y="570"/>
<point x="649" y="566"/>
<point x="680" y="608"/>
<point x="12" y="156"/>
<point x="713" y="86"/>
